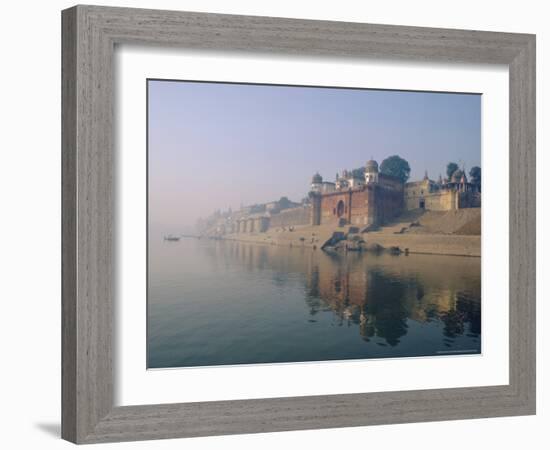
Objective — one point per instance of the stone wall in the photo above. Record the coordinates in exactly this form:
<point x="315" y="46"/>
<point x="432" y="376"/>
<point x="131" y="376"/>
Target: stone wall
<point x="469" y="199"/>
<point x="291" y="217"/>
<point x="329" y="207"/>
<point x="428" y="195"/>
<point x="261" y="224"/>
<point x="371" y="204"/>
<point x="444" y="200"/>
<point x="388" y="204"/>
<point x="363" y="207"/>
<point x="390" y="182"/>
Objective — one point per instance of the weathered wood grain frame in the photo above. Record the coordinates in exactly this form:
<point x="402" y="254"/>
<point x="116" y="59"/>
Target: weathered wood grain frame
<point x="89" y="36"/>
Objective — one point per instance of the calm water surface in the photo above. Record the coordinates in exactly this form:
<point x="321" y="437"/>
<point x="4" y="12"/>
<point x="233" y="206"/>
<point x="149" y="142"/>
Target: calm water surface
<point x="225" y="302"/>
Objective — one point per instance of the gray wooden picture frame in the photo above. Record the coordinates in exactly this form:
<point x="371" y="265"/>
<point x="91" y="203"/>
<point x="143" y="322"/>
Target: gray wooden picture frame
<point x="89" y="37"/>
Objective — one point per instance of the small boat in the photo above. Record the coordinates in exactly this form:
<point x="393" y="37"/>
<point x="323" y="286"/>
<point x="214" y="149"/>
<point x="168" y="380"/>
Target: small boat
<point x="171" y="238"/>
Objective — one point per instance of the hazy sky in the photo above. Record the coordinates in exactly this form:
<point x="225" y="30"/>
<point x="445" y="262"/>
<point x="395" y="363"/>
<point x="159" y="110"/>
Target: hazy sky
<point x="214" y="146"/>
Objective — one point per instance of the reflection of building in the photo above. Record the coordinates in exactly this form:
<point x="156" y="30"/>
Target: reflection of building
<point x="380" y="294"/>
<point x="364" y="197"/>
<point x="381" y="297"/>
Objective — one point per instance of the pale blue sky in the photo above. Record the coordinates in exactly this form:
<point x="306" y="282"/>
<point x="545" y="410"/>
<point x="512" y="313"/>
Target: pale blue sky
<point x="214" y="145"/>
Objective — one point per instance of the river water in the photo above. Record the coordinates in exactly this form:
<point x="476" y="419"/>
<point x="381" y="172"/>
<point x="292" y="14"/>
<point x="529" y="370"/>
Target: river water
<point x="226" y="302"/>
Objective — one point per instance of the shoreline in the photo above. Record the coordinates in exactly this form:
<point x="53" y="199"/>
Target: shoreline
<point x="418" y="243"/>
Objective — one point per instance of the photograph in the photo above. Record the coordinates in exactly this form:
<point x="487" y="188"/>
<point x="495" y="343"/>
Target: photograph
<point x="293" y="224"/>
<point x="259" y="225"/>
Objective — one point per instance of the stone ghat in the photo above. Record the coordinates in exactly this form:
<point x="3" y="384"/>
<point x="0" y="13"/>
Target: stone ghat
<point x="317" y="236"/>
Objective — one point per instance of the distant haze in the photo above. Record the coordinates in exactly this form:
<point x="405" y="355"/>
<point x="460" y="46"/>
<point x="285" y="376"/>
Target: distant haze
<point x="214" y="146"/>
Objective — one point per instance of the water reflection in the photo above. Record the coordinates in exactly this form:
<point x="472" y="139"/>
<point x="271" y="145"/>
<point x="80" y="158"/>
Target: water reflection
<point x="380" y="296"/>
<point x="301" y="305"/>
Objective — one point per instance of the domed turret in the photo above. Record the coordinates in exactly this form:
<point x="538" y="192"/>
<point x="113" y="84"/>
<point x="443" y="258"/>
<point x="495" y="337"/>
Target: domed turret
<point x="316" y="183"/>
<point x="371" y="166"/>
<point x="317" y="178"/>
<point x="371" y="171"/>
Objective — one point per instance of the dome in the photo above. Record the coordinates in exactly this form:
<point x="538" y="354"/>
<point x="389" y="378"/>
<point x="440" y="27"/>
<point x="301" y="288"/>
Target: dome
<point x="456" y="176"/>
<point x="317" y="178"/>
<point x="371" y="166"/>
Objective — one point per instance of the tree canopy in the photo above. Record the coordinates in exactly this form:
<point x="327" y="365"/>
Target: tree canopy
<point x="475" y="175"/>
<point x="451" y="168"/>
<point x="396" y="167"/>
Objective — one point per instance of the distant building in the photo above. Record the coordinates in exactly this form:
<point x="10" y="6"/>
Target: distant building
<point x="365" y="201"/>
<point x="443" y="195"/>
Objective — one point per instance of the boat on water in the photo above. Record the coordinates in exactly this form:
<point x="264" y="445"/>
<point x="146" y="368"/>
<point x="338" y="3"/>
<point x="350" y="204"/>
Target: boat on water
<point x="171" y="238"/>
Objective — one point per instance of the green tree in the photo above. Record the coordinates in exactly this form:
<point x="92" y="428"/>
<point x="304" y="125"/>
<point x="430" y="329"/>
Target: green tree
<point x="475" y="175"/>
<point x="396" y="167"/>
<point x="451" y="168"/>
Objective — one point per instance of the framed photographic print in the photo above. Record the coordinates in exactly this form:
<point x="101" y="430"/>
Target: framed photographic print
<point x="278" y="224"/>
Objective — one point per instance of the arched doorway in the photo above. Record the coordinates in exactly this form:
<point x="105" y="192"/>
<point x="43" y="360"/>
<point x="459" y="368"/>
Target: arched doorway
<point x="340" y="208"/>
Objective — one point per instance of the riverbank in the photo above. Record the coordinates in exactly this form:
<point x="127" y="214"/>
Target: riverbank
<point x="317" y="236"/>
<point x="453" y="233"/>
<point x="435" y="244"/>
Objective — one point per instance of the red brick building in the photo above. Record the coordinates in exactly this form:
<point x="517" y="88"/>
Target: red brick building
<point x="360" y="202"/>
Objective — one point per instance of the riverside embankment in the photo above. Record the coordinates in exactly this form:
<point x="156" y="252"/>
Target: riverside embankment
<point x="439" y="233"/>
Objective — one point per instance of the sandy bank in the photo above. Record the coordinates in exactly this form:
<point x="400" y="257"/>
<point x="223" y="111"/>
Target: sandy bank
<point x="315" y="237"/>
<point x="437" y="244"/>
